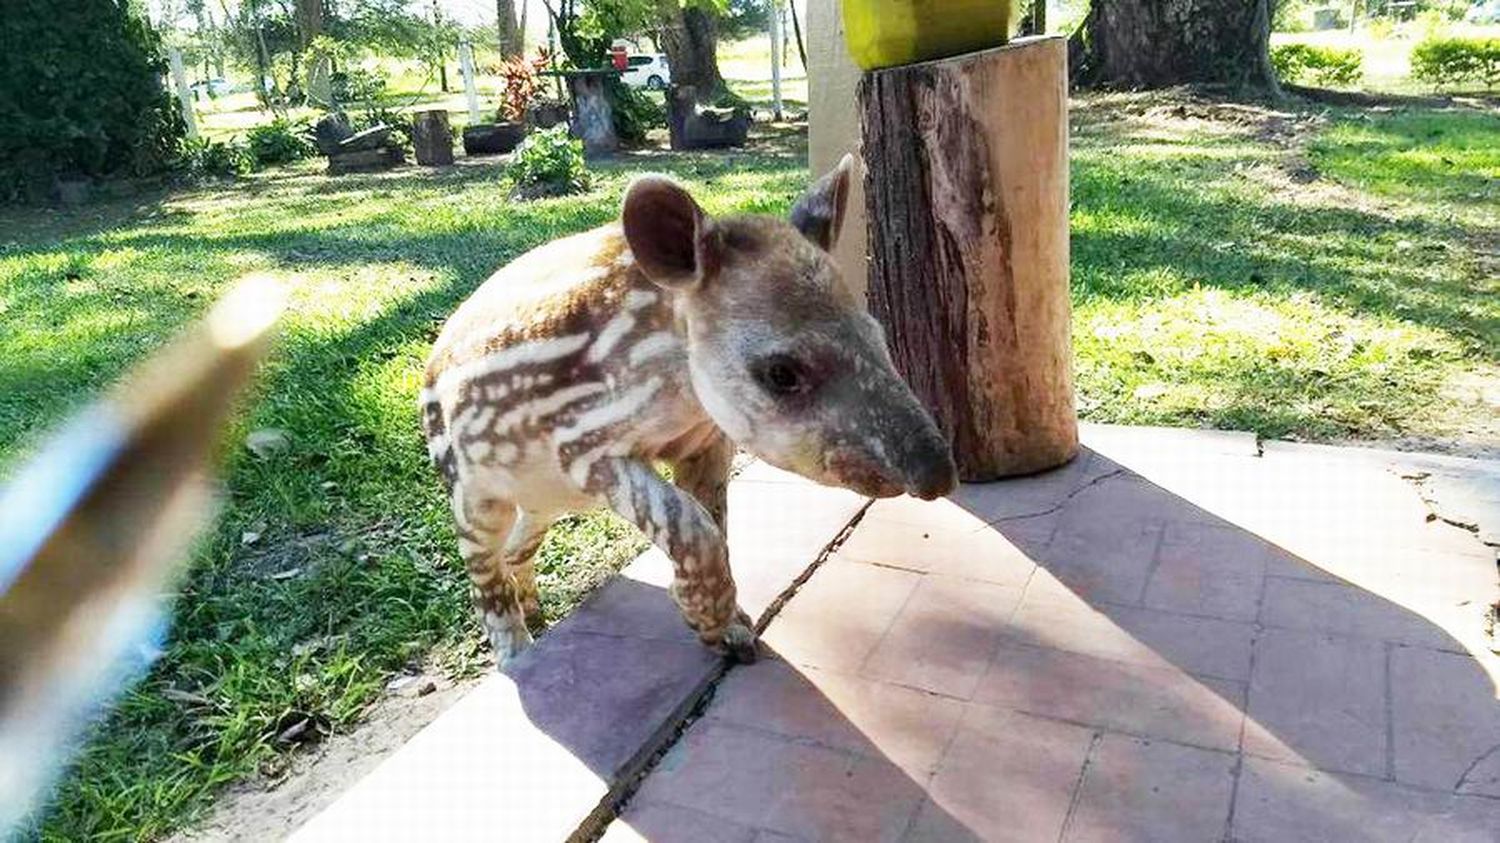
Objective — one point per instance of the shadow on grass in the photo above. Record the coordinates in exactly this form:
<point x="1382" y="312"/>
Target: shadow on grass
<point x="1226" y="239"/>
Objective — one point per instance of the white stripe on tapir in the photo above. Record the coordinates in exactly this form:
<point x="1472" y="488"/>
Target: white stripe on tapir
<point x="536" y="351"/>
<point x="637" y="299"/>
<point x="623" y="407"/>
<point x="653" y="346"/>
<point x="547" y="405"/>
<point x="613" y="332"/>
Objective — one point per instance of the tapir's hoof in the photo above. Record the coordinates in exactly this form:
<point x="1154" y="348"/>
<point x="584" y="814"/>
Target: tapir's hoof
<point x="738" y="643"/>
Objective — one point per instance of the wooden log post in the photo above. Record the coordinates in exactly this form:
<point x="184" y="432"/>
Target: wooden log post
<point x="432" y="139"/>
<point x="966" y="200"/>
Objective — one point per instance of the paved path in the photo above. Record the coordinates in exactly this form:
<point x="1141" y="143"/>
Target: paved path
<point x="1090" y="656"/>
<point x="1179" y="636"/>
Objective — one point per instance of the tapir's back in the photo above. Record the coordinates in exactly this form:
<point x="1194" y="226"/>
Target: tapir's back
<point x="561" y="291"/>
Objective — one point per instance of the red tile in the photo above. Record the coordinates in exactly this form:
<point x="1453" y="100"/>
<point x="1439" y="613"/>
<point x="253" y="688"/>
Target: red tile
<point x="1025" y="496"/>
<point x="659" y="822"/>
<point x="911" y="728"/>
<point x="1152" y="790"/>
<point x="1447" y="722"/>
<point x="765" y="781"/>
<point x="945" y="542"/>
<point x="1209" y="569"/>
<point x="776" y="532"/>
<point x="838" y="617"/>
<point x="1146" y="701"/>
<point x="1107" y="538"/>
<point x="1052" y="616"/>
<point x="1347" y="610"/>
<point x="1318" y="700"/>
<point x="944" y="636"/>
<point x="1006" y="777"/>
<point x="1278" y="803"/>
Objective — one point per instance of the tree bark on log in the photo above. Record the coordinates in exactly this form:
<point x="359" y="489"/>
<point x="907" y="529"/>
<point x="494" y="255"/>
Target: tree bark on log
<point x="510" y="33"/>
<point x="1161" y="43"/>
<point x="432" y="139"/>
<point x="690" y="38"/>
<point x="966" y="199"/>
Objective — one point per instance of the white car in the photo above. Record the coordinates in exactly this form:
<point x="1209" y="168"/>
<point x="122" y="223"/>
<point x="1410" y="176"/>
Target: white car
<point x="211" y="87"/>
<point x="645" y="70"/>
<point x="1484" y="12"/>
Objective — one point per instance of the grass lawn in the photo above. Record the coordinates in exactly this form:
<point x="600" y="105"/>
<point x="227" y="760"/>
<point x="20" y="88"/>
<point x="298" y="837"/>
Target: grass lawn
<point x="355" y="572"/>
<point x="1322" y="277"/>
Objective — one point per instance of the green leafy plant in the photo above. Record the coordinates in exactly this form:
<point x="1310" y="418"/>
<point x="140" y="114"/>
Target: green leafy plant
<point x="202" y="158"/>
<point x="549" y="163"/>
<point x="635" y="111"/>
<point x="377" y="115"/>
<point x="279" y="142"/>
<point x="356" y="85"/>
<point x="1323" y="66"/>
<point x="1446" y="62"/>
<point x="523" y="84"/>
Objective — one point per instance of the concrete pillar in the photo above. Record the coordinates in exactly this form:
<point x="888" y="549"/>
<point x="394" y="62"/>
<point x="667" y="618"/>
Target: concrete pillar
<point x="833" y="115"/>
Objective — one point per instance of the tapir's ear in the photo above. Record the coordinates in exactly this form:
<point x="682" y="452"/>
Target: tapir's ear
<point x="819" y="214"/>
<point x="674" y="242"/>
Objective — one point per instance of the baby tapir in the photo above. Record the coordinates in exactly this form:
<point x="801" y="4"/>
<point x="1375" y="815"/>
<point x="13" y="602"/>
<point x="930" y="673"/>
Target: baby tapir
<point x="670" y="337"/>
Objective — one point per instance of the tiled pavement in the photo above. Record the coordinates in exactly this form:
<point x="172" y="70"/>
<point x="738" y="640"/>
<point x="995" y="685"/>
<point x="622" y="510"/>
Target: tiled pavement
<point x="1176" y="637"/>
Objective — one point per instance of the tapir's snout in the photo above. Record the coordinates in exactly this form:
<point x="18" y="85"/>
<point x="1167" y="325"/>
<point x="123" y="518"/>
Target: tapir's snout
<point x="927" y="468"/>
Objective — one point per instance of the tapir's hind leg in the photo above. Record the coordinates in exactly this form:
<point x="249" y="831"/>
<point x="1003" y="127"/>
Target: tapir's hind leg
<point x="525" y="537"/>
<point x="486" y="526"/>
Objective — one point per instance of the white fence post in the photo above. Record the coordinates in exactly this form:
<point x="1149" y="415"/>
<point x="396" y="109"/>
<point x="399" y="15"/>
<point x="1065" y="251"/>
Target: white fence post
<point x="775" y="59"/>
<point x="184" y="96"/>
<point x="466" y="64"/>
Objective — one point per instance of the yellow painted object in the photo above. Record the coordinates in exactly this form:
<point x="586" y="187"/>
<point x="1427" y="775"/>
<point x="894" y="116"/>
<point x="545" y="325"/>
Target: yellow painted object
<point x="887" y="33"/>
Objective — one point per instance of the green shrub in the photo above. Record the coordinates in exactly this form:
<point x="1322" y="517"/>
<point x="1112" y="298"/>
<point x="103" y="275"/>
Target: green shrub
<point x="1322" y="66"/>
<point x="202" y="158"/>
<point x="635" y="112"/>
<point x="279" y="142"/>
<point x="1446" y="62"/>
<point x="378" y="115"/>
<point x="80" y="95"/>
<point x="549" y="163"/>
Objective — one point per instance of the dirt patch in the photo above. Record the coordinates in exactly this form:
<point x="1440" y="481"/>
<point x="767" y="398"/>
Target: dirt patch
<point x="280" y="801"/>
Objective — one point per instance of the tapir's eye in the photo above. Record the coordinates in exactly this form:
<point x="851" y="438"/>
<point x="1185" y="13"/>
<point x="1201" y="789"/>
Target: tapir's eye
<point x="782" y="374"/>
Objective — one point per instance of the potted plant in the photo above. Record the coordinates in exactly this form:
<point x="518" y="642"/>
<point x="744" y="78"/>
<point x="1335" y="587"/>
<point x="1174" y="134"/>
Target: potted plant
<point x="522" y="83"/>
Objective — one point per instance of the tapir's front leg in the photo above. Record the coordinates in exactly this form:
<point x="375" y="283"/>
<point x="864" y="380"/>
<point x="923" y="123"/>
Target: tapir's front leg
<point x="678" y="524"/>
<point x="705" y="476"/>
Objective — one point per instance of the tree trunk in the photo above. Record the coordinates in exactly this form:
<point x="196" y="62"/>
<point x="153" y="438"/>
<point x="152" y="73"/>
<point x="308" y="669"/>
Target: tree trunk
<point x="521" y="30"/>
<point x="1161" y="43"/>
<point x="690" y="37"/>
<point x="966" y="205"/>
<point x="309" y="21"/>
<point x="510" y="33"/>
<point x="797" y="30"/>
